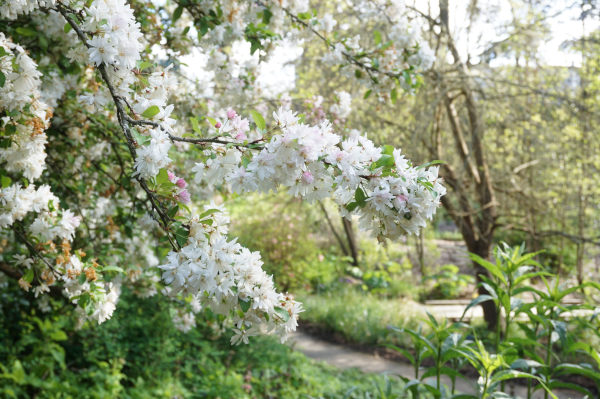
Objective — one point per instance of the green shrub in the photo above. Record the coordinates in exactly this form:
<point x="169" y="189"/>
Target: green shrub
<point x="295" y="245"/>
<point x="139" y="354"/>
<point x="446" y="283"/>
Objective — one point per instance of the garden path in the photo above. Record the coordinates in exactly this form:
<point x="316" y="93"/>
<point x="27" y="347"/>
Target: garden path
<point x="344" y="358"/>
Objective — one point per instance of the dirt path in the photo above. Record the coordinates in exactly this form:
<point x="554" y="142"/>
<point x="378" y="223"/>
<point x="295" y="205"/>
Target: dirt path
<point x="344" y="358"/>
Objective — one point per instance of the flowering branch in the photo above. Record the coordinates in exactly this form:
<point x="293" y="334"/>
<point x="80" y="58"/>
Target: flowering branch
<point x="123" y="119"/>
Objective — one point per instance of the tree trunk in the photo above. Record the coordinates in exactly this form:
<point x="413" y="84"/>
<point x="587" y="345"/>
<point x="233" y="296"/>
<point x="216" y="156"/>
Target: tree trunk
<point x="483" y="248"/>
<point x="334" y="230"/>
<point x="421" y="253"/>
<point x="351" y="240"/>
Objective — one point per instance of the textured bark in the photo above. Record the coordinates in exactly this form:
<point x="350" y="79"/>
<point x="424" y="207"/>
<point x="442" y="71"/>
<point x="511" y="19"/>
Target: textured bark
<point x="475" y="208"/>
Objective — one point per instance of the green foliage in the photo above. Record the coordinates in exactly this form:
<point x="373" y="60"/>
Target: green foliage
<point x="447" y="283"/>
<point x="288" y="234"/>
<point x="535" y="352"/>
<point x="139" y="354"/>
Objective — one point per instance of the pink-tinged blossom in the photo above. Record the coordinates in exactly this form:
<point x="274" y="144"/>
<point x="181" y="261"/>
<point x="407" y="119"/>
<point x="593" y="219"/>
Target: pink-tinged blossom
<point x="307" y="177"/>
<point x="184" y="197"/>
<point x="181" y="183"/>
<point x="231" y="114"/>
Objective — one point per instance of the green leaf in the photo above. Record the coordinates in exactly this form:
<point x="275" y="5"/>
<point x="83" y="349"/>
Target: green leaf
<point x="177" y="13"/>
<point x="163" y="177"/>
<point x="428" y="164"/>
<point x="367" y="94"/>
<point x="151" y="111"/>
<point x="208" y="212"/>
<point x="267" y="14"/>
<point x="139" y="138"/>
<point x="377" y="36"/>
<point x="259" y="120"/>
<point x="195" y="125"/>
<point x="18" y="373"/>
<point x="394" y="95"/>
<point x="144" y="64"/>
<point x="244" y="305"/>
<point x="58" y="335"/>
<point x="24" y="31"/>
<point x="173" y="211"/>
<point x="492" y="268"/>
<point x="5" y="181"/>
<point x="3" y="52"/>
<point x="282" y="313"/>
<point x="475" y="302"/>
<point x="28" y="276"/>
<point x="351" y="206"/>
<point x="67" y="28"/>
<point x="181" y="235"/>
<point x="212" y="121"/>
<point x="116" y="269"/>
<point x="360" y="197"/>
<point x="385" y="160"/>
<point x="2" y="78"/>
<point x="388" y="149"/>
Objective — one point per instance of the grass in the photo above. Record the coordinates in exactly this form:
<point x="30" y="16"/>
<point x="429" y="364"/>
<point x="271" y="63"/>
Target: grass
<point x="360" y="318"/>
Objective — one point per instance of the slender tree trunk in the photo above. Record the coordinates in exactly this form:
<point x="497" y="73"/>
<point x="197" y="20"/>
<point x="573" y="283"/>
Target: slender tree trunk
<point x="351" y="240"/>
<point x="421" y="254"/>
<point x="334" y="230"/>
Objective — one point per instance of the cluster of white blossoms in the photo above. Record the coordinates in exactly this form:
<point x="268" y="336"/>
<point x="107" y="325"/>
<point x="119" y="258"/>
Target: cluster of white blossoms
<point x="20" y="92"/>
<point x="117" y="35"/>
<point x="398" y="51"/>
<point x="16" y="202"/>
<point x="102" y="296"/>
<point x="228" y="279"/>
<point x="28" y="116"/>
<point x="391" y="196"/>
<point x="11" y="9"/>
<point x="116" y="43"/>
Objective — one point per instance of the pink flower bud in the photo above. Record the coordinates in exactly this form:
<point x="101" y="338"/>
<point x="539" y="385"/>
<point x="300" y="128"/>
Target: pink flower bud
<point x="218" y="125"/>
<point x="181" y="183"/>
<point x="171" y="175"/>
<point x="307" y="177"/>
<point x="184" y="197"/>
<point x="231" y="113"/>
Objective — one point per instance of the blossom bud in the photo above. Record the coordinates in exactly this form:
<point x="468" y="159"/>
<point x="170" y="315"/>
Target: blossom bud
<point x="231" y="114"/>
<point x="181" y="183"/>
<point x="218" y="125"/>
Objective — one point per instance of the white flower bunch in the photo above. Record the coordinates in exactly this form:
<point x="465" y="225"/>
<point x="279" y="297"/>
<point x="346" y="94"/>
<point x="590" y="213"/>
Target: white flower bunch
<point x="95" y="298"/>
<point x="51" y="226"/>
<point x="16" y="202"/>
<point x="392" y="197"/>
<point x="20" y="92"/>
<point x="11" y="9"/>
<point x="117" y="38"/>
<point x="228" y="279"/>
